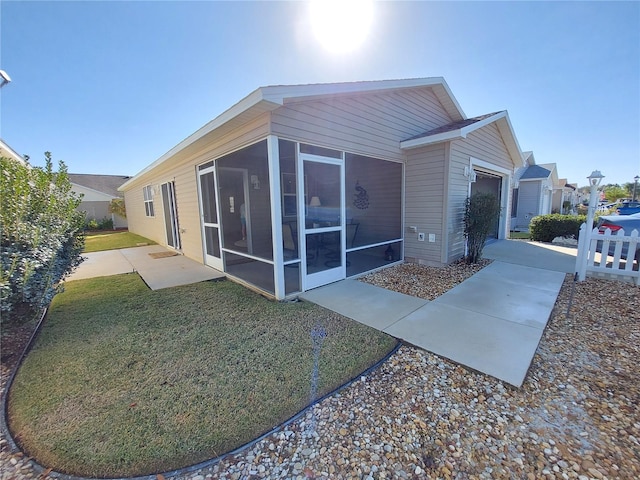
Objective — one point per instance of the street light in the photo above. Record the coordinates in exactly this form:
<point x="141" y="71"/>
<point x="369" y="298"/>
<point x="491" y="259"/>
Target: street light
<point x="635" y="186"/>
<point x="583" y="250"/>
<point x="594" y="182"/>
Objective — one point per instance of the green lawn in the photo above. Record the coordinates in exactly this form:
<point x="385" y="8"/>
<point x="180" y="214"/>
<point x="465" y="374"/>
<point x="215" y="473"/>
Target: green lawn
<point x="127" y="381"/>
<point x="519" y="235"/>
<point x="99" y="241"/>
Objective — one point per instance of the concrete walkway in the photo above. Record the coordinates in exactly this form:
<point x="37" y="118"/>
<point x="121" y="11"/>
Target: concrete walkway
<point x="533" y="254"/>
<point x="156" y="271"/>
<point x="491" y="322"/>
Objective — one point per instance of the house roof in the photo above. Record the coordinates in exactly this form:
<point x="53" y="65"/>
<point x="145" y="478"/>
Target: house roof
<point x="107" y="184"/>
<point x="535" y="172"/>
<point x="528" y="157"/>
<point x="462" y="128"/>
<point x="459" y="126"/>
<point x="269" y="98"/>
<point x="7" y="151"/>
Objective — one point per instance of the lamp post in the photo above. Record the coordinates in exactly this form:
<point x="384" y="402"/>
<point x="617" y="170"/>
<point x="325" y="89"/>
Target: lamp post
<point x="594" y="182"/>
<point x="635" y="186"/>
<point x="583" y="244"/>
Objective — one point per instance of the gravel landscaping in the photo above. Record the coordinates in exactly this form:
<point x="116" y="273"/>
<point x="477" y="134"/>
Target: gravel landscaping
<point x="420" y="416"/>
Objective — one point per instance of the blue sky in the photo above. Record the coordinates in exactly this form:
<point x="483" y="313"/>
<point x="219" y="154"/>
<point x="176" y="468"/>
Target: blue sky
<point x="109" y="87"/>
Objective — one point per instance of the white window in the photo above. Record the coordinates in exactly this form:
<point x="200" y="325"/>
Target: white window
<point x="148" y="200"/>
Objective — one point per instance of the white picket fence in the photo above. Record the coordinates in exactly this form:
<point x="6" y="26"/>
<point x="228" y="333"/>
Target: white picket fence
<point x="592" y="262"/>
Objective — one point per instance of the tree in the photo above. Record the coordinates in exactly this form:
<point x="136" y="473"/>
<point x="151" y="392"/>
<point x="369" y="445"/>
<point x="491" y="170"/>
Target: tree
<point x="118" y="207"/>
<point x="613" y="192"/>
<point x="481" y="214"/>
<point x="41" y="239"/>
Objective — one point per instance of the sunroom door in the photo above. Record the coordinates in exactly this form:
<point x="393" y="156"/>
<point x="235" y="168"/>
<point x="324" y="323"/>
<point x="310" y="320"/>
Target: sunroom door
<point x="209" y="218"/>
<point x="323" y="229"/>
<point x="172" y="227"/>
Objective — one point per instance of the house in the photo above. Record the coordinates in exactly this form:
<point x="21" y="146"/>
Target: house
<point x="7" y="152"/>
<point x="299" y="186"/>
<point x="564" y="197"/>
<point x="97" y="192"/>
<point x="533" y="191"/>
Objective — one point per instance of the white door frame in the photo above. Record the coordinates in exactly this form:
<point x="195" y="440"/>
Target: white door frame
<point x="173" y="214"/>
<point x="505" y="212"/>
<point x="210" y="260"/>
<point x="330" y="275"/>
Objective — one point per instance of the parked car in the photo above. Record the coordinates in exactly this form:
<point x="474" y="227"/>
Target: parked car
<point x="616" y="223"/>
<point x="628" y="208"/>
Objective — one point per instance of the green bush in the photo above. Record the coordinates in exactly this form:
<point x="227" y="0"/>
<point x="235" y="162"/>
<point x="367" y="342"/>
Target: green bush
<point x="104" y="224"/>
<point x="544" y="228"/>
<point x="41" y="238"/>
<point x="92" y="224"/>
<point x="481" y="214"/>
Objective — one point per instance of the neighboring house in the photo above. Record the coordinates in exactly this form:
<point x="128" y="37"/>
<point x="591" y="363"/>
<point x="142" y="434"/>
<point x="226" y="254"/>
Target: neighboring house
<point x="8" y="152"/>
<point x="97" y="192"/>
<point x="299" y="186"/>
<point x="533" y="191"/>
<point x="565" y="197"/>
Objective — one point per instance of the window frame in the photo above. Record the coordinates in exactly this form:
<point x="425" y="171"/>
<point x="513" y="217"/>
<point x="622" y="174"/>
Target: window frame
<point x="147" y="195"/>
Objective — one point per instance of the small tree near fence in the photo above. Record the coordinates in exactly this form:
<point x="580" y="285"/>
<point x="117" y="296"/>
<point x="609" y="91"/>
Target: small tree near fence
<point x="41" y="238"/>
<point x="118" y="207"/>
<point x="481" y="214"/>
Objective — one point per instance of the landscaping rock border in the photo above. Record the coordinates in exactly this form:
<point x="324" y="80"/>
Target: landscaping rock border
<point x="421" y="416"/>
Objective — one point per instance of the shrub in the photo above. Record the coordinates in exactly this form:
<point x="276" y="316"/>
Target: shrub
<point x="481" y="214"/>
<point x="92" y="224"/>
<point x="105" y="224"/>
<point x="544" y="228"/>
<point x="41" y="238"/>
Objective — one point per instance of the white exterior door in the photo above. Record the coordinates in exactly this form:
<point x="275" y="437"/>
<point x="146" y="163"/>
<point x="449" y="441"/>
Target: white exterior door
<point x="323" y="238"/>
<point x="209" y="218"/>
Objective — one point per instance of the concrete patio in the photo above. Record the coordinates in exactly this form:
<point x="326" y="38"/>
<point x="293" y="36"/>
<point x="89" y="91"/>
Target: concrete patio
<point x="157" y="271"/>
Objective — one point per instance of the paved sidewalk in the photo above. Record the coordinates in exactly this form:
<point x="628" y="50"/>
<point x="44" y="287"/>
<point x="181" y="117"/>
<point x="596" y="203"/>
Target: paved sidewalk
<point x="157" y="273"/>
<point x="491" y="322"/>
<point x="533" y="254"/>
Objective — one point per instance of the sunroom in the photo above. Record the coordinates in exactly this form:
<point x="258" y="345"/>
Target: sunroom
<point x="283" y="216"/>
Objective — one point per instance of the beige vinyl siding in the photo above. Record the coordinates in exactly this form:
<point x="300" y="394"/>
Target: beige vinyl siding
<point x="149" y="227"/>
<point x="182" y="169"/>
<point x="371" y="124"/>
<point x="484" y="144"/>
<point x="425" y="180"/>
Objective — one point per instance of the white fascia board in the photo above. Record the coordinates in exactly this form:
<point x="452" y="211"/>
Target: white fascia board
<point x="288" y="93"/>
<point x="482" y="123"/>
<point x="453" y="99"/>
<point x="5" y="149"/>
<point x="431" y="139"/>
<point x="513" y="145"/>
<point x="452" y="134"/>
<point x="243" y="105"/>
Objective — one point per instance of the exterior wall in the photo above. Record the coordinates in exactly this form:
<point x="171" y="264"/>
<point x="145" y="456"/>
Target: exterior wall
<point x="528" y="201"/>
<point x="100" y="210"/>
<point x="182" y="169"/>
<point x="425" y="181"/>
<point x="367" y="124"/>
<point x="96" y="205"/>
<point x="485" y="144"/>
